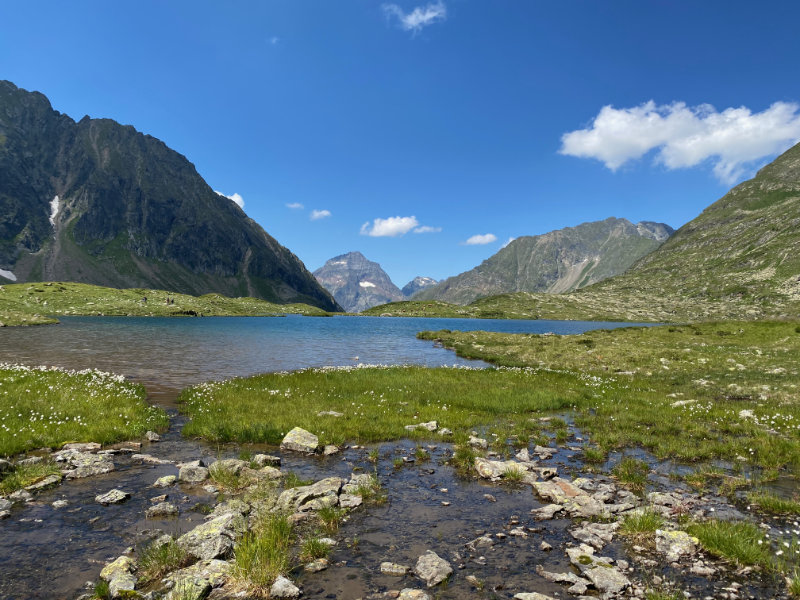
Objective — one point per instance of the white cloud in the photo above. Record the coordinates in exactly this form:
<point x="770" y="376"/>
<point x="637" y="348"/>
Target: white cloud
<point x="391" y="227"/>
<point x="508" y="241"/>
<point x="427" y="229"/>
<point x="237" y="198"/>
<point x="295" y="206"/>
<point x="686" y="136"/>
<point x="479" y="240"/>
<point x="420" y="17"/>
<point x="274" y="40"/>
<point x="316" y="215"/>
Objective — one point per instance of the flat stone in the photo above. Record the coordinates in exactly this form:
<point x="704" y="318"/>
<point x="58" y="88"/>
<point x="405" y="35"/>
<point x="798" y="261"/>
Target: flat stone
<point x="213" y="573"/>
<point x="300" y="440"/>
<point x="495" y="469"/>
<point x="393" y="569"/>
<point x="350" y="500"/>
<point x="44" y="483"/>
<point x="412" y="594"/>
<point x="31" y="460"/>
<point x="595" y="534"/>
<point x="112" y="497"/>
<point x="82" y="446"/>
<point x="547" y="511"/>
<point x="263" y="460"/>
<point x="81" y="464"/>
<point x="149" y="459"/>
<point x="165" y="481"/>
<point x="323" y="493"/>
<point x="162" y="509"/>
<point x="432" y="569"/>
<point x="283" y="588"/>
<point x="192" y="474"/>
<point x="532" y="596"/>
<point x="329" y="413"/>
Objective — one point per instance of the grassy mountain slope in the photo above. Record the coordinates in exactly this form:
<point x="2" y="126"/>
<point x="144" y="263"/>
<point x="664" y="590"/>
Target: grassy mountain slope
<point x="98" y="202"/>
<point x="556" y="262"/>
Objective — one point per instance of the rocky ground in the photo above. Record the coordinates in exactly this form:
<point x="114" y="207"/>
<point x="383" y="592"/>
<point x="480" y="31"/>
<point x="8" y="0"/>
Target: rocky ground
<point x="537" y="525"/>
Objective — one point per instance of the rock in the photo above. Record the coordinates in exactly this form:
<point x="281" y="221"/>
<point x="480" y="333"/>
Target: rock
<point x="5" y="466"/>
<point x="389" y="568"/>
<point x="330" y="449"/>
<point x="321" y="494"/>
<point x="477" y="442"/>
<point x="490" y="498"/>
<point x="4" y="514"/>
<point x="233" y="466"/>
<point x="557" y="577"/>
<point x="82" y="446"/>
<point x="212" y="573"/>
<point x="264" y="460"/>
<point x="189" y="589"/>
<point x="318" y="565"/>
<point x="150" y="459"/>
<point x="300" y="440"/>
<point x="119" y="575"/>
<point x="83" y="464"/>
<point x="152" y="436"/>
<point x="215" y="538"/>
<point x="283" y="588"/>
<point x="165" y="481"/>
<point x="444" y="432"/>
<point x="350" y="500"/>
<point x="5" y="504"/>
<point x="546" y="512"/>
<point x="545" y="547"/>
<point x="44" y="483"/>
<point x="21" y="496"/>
<point x="544" y="453"/>
<point x="432" y="569"/>
<point x="483" y="541"/>
<point x="192" y="474"/>
<point x="532" y="596"/>
<point x="329" y="413"/>
<point x="60" y="504"/>
<point x="523" y="456"/>
<point x="31" y="460"/>
<point x="575" y="501"/>
<point x="268" y="472"/>
<point x="157" y="499"/>
<point x="411" y="594"/>
<point x="112" y="497"/>
<point x="598" y="570"/>
<point x="595" y="534"/>
<point x="495" y="469"/>
<point x="675" y="544"/>
<point x="162" y="509"/>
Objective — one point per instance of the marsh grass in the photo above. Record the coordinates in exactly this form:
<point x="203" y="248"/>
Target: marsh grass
<point x="692" y="393"/>
<point x="594" y="456"/>
<point x="377" y="402"/>
<point x="793" y="583"/>
<point x="293" y="480"/>
<point x="373" y="492"/>
<point x="632" y="473"/>
<point x="263" y="553"/>
<point x="24" y="475"/>
<point x="641" y="526"/>
<point x="330" y="518"/>
<point x="313" y="548"/>
<point x="156" y="560"/>
<point x="47" y="406"/>
<point x="662" y="595"/>
<point x="227" y="478"/>
<point x="738" y="541"/>
<point x="769" y="502"/>
<point x="463" y="459"/>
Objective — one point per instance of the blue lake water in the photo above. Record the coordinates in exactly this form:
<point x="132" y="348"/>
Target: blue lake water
<point x="167" y="354"/>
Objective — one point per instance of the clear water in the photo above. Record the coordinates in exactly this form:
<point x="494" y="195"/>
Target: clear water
<point x="167" y="354"/>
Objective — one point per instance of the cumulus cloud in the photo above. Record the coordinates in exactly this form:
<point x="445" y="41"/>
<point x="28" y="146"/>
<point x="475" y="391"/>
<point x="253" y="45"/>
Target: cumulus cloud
<point x="480" y="240"/>
<point x="417" y="19"/>
<point x="237" y="198"/>
<point x="391" y="227"/>
<point x="295" y="206"/>
<point x="316" y="215"/>
<point x="686" y="136"/>
<point x="427" y="229"/>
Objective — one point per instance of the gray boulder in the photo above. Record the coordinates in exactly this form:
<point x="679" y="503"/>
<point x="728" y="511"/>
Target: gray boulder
<point x="162" y="509"/>
<point x="112" y="497"/>
<point x="120" y="576"/>
<point x="432" y="569"/>
<point x="283" y="588"/>
<point x="192" y="474"/>
<point x="300" y="440"/>
<point x="215" y="538"/>
<point x="319" y="495"/>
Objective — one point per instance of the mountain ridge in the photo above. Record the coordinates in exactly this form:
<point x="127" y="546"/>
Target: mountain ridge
<point x="97" y="202"/>
<point x="356" y="282"/>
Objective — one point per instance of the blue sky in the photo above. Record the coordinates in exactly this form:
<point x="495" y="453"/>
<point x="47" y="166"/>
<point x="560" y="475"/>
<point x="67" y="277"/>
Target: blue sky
<point x="448" y="121"/>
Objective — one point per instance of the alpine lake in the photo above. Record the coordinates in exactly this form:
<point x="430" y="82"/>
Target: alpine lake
<point x="495" y="535"/>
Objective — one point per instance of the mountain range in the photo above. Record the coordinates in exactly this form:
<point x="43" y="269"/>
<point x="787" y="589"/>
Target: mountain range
<point x="555" y="262"/>
<point x="97" y="202"/>
<point x="358" y="284"/>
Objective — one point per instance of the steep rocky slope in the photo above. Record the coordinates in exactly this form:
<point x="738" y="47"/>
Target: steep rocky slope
<point x="556" y="262"/>
<point x="417" y="285"/>
<point x="357" y="283"/>
<point x="97" y="202"/>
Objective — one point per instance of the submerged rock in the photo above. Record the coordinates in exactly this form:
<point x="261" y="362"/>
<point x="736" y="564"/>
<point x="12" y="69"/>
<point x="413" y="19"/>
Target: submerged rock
<point x="412" y="594"/>
<point x="393" y="569"/>
<point x="300" y="440"/>
<point x="432" y="569"/>
<point x="316" y="566"/>
<point x="162" y="509"/>
<point x="165" y="481"/>
<point x="532" y="596"/>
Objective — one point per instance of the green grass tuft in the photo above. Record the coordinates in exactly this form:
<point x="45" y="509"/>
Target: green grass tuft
<point x="264" y="553"/>
<point x="735" y="541"/>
